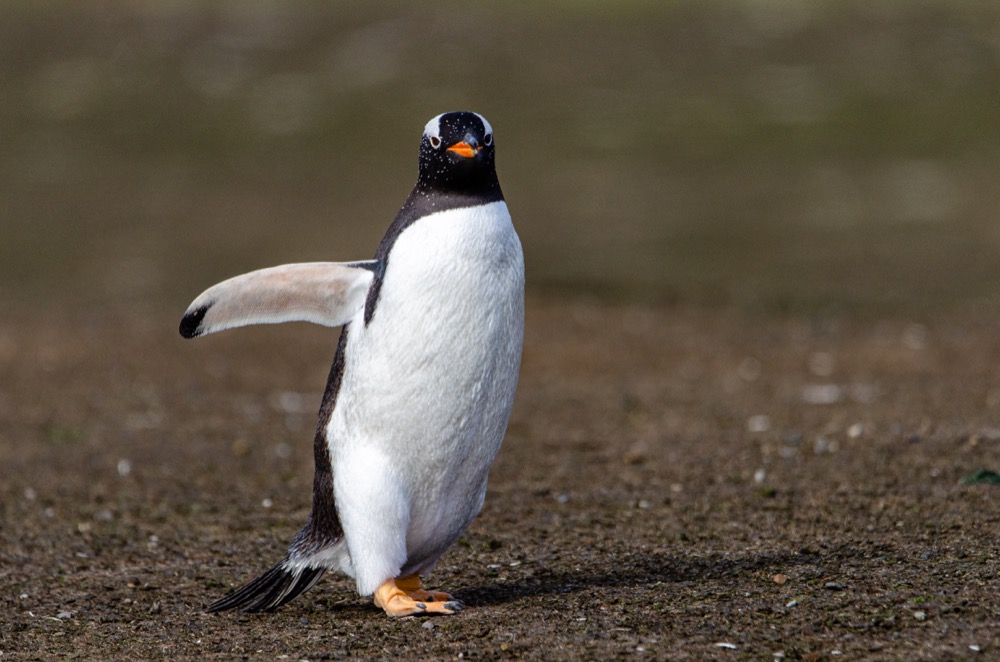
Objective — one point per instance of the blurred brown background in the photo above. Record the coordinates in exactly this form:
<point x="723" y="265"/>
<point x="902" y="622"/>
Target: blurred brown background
<point x="776" y="156"/>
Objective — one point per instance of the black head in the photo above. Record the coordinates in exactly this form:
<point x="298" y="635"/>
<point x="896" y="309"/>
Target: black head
<point x="457" y="155"/>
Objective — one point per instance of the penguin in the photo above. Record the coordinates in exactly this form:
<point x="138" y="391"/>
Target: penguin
<point x="422" y="383"/>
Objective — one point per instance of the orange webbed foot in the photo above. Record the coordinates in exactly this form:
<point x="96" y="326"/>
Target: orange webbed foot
<point x="405" y="597"/>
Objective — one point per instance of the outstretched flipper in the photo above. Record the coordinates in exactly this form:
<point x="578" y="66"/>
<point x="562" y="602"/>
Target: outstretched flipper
<point x="326" y="293"/>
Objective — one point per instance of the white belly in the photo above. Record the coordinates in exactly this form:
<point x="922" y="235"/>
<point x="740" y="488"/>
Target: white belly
<point x="428" y="385"/>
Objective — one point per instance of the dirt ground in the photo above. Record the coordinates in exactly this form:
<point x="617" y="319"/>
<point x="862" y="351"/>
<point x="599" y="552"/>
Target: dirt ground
<point x="763" y="461"/>
<point x="676" y="483"/>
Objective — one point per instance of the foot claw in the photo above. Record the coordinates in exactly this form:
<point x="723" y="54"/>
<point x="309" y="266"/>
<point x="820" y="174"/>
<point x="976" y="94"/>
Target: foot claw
<point x="454" y="605"/>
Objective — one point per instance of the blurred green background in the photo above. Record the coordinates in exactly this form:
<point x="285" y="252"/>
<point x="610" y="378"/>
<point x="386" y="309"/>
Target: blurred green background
<point x="768" y="154"/>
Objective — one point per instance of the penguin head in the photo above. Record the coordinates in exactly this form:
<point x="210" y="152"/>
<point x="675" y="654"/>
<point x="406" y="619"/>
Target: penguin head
<point x="457" y="154"/>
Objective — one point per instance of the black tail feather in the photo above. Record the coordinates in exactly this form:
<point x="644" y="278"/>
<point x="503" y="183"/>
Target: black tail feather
<point x="271" y="590"/>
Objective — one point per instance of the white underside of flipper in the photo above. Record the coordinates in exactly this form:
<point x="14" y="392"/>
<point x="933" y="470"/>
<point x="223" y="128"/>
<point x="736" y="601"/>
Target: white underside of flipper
<point x="327" y="293"/>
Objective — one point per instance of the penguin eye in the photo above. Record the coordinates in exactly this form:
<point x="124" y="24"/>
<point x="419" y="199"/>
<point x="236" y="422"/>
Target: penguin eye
<point x="435" y="142"/>
<point x="488" y="139"/>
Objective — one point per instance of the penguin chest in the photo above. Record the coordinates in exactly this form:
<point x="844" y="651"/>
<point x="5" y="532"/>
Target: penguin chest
<point x="429" y="382"/>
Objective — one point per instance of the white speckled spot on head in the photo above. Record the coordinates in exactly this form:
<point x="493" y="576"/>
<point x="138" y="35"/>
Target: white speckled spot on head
<point x="433" y="128"/>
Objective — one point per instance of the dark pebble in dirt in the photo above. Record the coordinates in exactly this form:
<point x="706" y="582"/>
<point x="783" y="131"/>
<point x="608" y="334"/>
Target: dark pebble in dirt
<point x="833" y="586"/>
<point x="793" y="438"/>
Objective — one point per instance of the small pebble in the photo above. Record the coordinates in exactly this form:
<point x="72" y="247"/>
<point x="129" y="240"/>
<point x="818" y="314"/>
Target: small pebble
<point x="64" y="615"/>
<point x="634" y="456"/>
<point x="824" y="445"/>
<point x="779" y="579"/>
<point x="727" y="646"/>
<point x="749" y="369"/>
<point x="759" y="423"/>
<point x="915" y="337"/>
<point x="792" y="603"/>
<point x="792" y="438"/>
<point x="428" y="625"/>
<point x="974" y="648"/>
<point x="821" y="364"/>
<point x="833" y="586"/>
<point x="821" y="394"/>
<point x="920" y="615"/>
<point x="288" y="402"/>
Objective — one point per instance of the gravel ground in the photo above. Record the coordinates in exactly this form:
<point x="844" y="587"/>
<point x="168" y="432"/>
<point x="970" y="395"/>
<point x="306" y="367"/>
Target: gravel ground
<point x="676" y="483"/>
<point x="763" y="461"/>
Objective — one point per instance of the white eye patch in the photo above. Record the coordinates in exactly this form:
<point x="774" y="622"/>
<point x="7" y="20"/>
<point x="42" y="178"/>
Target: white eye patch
<point x="433" y="128"/>
<point x="486" y="125"/>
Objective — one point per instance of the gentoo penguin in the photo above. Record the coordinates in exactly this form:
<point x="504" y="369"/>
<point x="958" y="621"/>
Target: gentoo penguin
<point x="422" y="382"/>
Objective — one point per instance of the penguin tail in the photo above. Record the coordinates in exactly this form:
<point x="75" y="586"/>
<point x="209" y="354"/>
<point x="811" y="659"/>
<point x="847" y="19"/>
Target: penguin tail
<point x="281" y="584"/>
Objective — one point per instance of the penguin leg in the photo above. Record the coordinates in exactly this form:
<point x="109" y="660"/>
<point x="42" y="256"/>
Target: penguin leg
<point x="397" y="602"/>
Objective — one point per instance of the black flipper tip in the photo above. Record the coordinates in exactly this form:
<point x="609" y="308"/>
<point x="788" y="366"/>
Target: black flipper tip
<point x="191" y="323"/>
<point x="271" y="590"/>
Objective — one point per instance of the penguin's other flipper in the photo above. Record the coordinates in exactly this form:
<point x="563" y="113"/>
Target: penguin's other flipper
<point x="326" y="293"/>
<point x="277" y="586"/>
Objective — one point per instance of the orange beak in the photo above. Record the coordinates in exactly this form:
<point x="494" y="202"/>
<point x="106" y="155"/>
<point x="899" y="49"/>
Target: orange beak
<point x="465" y="149"/>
